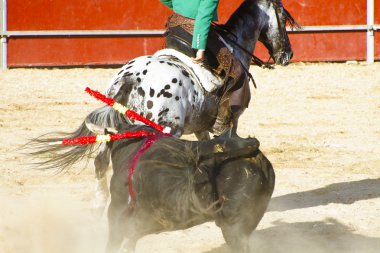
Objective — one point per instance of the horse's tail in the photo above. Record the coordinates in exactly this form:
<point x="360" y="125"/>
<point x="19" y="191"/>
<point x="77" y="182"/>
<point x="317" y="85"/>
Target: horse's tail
<point x="62" y="157"/>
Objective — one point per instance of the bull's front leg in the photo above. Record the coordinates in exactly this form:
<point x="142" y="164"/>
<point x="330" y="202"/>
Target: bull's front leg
<point x="102" y="161"/>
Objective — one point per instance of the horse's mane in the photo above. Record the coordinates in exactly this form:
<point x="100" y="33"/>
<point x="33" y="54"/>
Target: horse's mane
<point x="288" y="17"/>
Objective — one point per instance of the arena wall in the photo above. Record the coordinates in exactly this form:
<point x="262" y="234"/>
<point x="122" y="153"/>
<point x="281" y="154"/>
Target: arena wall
<point x="98" y="32"/>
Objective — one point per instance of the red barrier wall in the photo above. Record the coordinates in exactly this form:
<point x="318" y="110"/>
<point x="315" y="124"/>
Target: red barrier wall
<point x="33" y="15"/>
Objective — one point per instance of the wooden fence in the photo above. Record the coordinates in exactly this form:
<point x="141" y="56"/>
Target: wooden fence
<point x="108" y="32"/>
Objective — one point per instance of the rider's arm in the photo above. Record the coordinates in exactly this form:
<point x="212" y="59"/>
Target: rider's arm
<point x="206" y="13"/>
<point x="168" y="3"/>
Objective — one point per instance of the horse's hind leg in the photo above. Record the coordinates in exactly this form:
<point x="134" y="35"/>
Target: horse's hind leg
<point x="102" y="161"/>
<point x="236" y="111"/>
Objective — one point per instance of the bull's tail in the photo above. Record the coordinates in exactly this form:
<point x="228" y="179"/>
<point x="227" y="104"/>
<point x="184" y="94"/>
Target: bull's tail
<point x="54" y="155"/>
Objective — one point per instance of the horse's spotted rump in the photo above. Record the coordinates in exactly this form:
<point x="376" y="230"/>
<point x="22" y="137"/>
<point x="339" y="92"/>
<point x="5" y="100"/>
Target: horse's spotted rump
<point x="155" y="85"/>
<point x="167" y="94"/>
<point x="117" y="80"/>
<point x="160" y="93"/>
<point x="185" y="73"/>
<point x="141" y="91"/>
<point x="149" y="104"/>
<point x="163" y="111"/>
<point x="151" y="92"/>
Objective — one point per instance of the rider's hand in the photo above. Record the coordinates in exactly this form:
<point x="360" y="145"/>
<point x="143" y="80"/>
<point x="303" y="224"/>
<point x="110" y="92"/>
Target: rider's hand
<point x="200" y="56"/>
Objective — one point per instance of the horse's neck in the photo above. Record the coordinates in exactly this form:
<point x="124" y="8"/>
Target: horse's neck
<point x="246" y="24"/>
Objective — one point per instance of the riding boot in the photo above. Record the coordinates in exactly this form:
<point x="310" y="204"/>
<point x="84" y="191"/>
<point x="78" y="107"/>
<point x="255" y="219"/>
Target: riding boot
<point x="223" y="119"/>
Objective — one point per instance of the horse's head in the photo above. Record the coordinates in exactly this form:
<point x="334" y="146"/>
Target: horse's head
<point x="273" y="34"/>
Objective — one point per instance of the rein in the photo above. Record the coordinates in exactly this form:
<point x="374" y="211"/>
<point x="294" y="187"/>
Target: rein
<point x="256" y="60"/>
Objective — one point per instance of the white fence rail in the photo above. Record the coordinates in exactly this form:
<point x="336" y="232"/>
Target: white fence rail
<point x="5" y="35"/>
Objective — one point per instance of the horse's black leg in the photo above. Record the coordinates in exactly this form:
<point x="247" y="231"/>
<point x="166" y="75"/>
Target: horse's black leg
<point x="236" y="111"/>
<point x="102" y="161"/>
<point x="202" y="135"/>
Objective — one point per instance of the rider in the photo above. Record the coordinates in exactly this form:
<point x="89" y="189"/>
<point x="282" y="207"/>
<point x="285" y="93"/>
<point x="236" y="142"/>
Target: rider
<point x="189" y="31"/>
<point x="203" y="12"/>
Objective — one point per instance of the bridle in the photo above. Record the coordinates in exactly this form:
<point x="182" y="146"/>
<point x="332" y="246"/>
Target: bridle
<point x="278" y="7"/>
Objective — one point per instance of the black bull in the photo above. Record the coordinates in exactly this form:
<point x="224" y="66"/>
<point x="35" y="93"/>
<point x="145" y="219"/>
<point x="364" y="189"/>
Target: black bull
<point x="178" y="184"/>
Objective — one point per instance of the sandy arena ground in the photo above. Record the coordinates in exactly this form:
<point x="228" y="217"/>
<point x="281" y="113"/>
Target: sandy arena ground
<point x="319" y="124"/>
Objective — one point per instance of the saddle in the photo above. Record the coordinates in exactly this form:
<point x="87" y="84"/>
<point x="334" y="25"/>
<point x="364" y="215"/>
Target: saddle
<point x="219" y="62"/>
<point x="203" y="76"/>
<point x="219" y="59"/>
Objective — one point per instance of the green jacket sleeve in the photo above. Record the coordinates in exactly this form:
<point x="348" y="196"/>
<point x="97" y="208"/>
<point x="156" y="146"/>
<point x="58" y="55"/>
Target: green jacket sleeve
<point x="168" y="3"/>
<point x="206" y="14"/>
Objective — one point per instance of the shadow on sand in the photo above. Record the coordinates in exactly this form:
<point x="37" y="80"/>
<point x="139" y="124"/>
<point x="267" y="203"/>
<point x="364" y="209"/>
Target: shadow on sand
<point x="311" y="237"/>
<point x="341" y="193"/>
<point x="315" y="236"/>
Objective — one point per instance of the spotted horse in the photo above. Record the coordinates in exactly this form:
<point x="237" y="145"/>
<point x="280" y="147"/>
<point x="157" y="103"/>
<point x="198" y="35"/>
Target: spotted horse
<point x="169" y="90"/>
